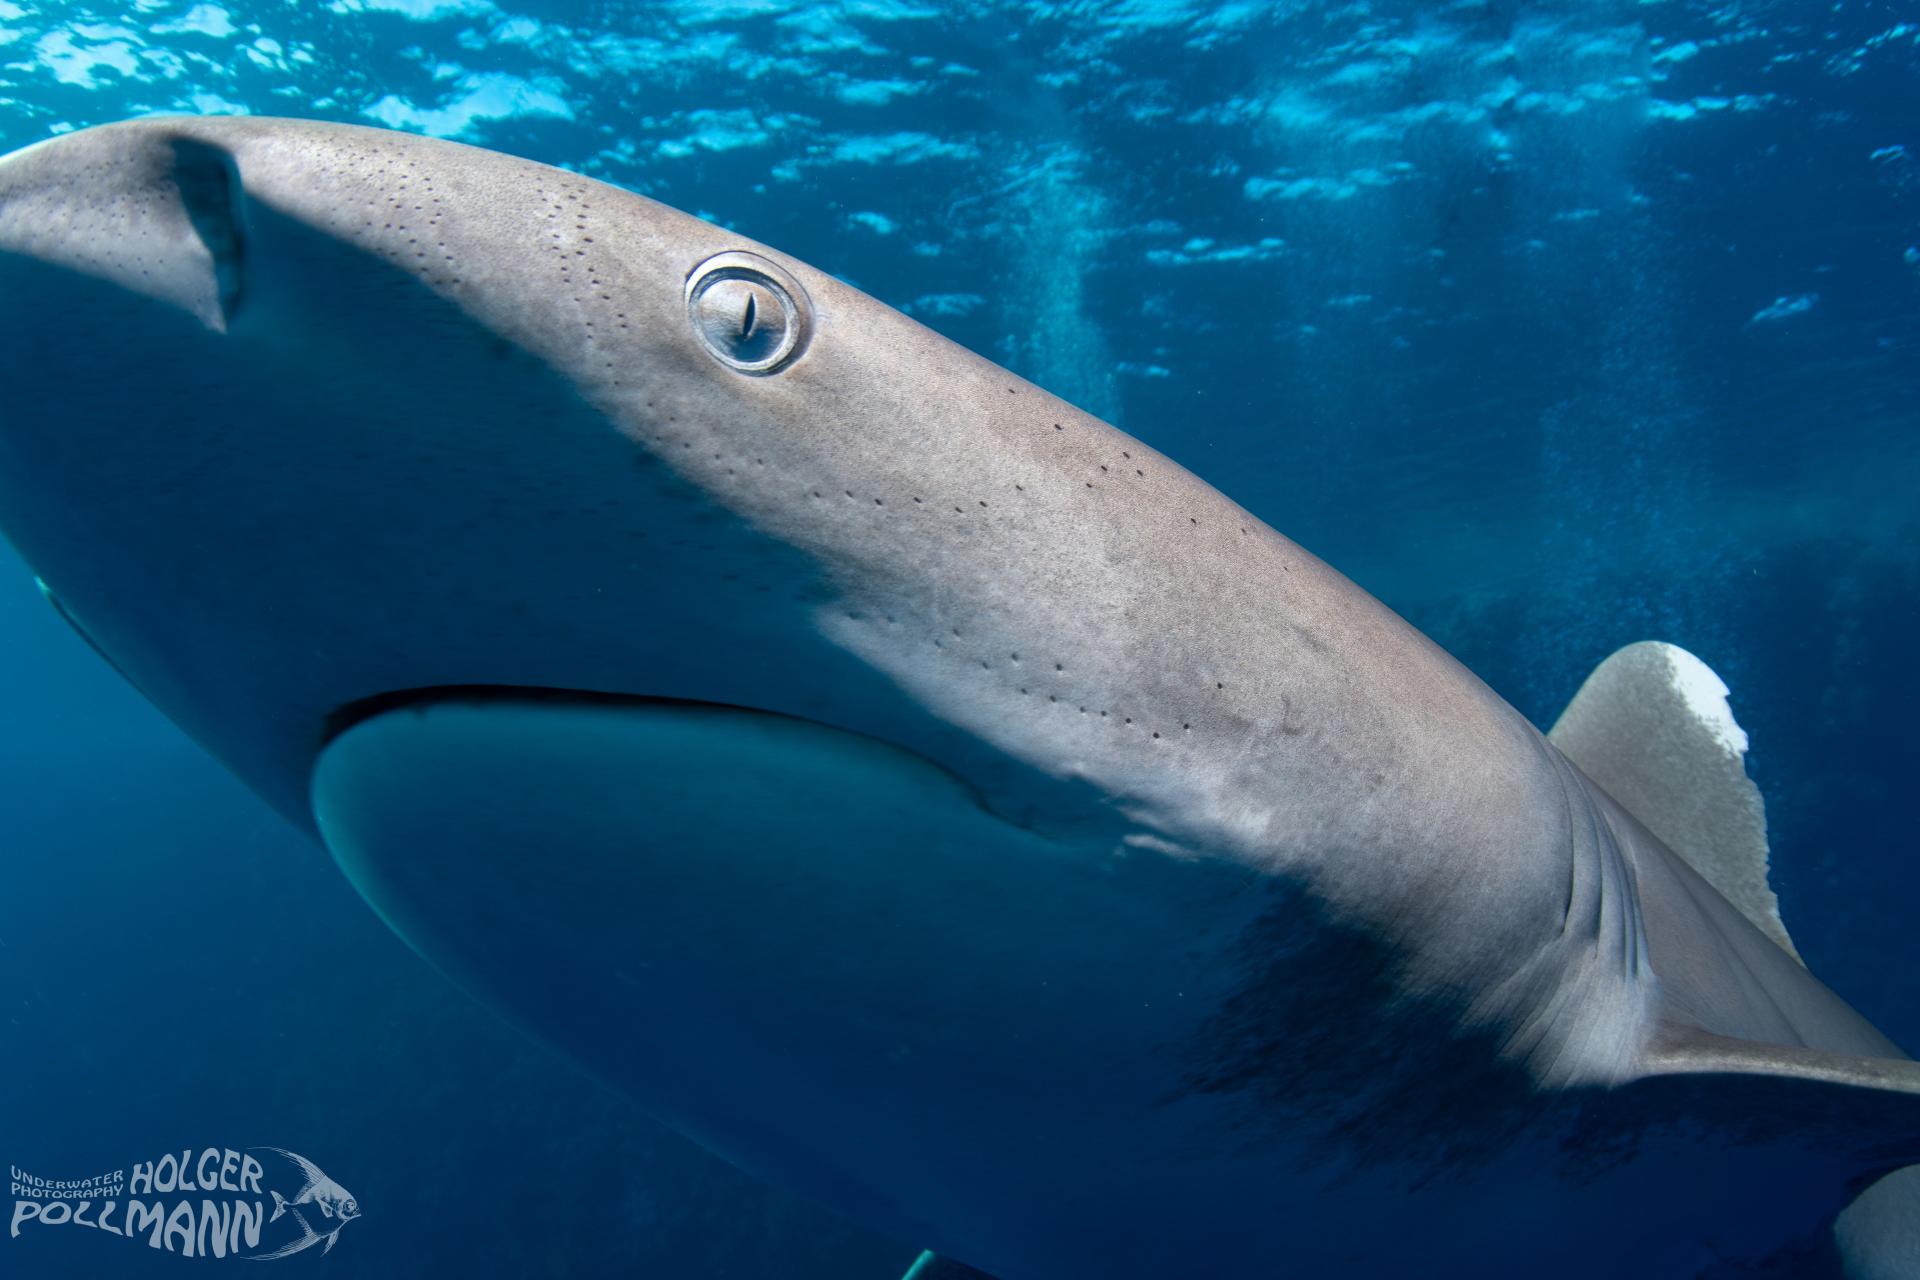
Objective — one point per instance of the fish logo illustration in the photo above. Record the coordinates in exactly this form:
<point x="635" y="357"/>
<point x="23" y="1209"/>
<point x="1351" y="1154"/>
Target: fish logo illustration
<point x="211" y="1201"/>
<point x="320" y="1195"/>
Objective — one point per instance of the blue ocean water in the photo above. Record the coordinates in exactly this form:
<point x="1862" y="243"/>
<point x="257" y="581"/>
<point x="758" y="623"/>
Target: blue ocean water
<point x="1556" y="326"/>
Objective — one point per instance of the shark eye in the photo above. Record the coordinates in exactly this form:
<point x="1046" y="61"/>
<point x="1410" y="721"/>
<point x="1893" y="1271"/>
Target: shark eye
<point x="751" y="315"/>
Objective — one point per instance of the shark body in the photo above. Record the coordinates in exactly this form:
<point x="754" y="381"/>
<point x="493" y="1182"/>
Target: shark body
<point x="912" y="788"/>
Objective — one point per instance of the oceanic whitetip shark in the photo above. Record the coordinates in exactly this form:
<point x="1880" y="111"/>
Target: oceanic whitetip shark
<point x="919" y="792"/>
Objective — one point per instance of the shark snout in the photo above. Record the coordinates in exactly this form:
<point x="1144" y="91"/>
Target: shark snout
<point x="141" y="208"/>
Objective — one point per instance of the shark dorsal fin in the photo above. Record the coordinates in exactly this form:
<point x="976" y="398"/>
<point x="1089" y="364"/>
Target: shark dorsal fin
<point x="1651" y="725"/>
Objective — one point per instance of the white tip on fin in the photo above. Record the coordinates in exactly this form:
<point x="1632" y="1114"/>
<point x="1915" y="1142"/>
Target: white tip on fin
<point x="1652" y="726"/>
<point x="933" y="1267"/>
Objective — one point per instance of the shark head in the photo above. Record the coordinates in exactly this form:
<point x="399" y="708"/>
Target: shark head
<point x="305" y="417"/>
<point x="358" y="414"/>
<point x="792" y="713"/>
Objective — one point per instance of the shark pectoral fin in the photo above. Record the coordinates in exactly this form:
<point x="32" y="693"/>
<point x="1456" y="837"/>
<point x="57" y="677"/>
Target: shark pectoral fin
<point x="1879" y="1235"/>
<point x="1651" y="725"/>
<point x="1863" y="1110"/>
<point x="931" y="1266"/>
<point x="1853" y="1120"/>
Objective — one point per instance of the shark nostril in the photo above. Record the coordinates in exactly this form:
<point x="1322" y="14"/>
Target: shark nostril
<point x="749" y="314"/>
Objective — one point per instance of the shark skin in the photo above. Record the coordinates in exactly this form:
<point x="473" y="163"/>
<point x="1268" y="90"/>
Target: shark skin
<point x="916" y="790"/>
